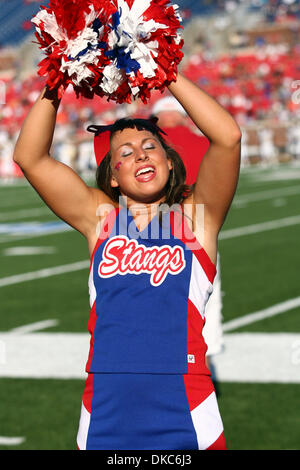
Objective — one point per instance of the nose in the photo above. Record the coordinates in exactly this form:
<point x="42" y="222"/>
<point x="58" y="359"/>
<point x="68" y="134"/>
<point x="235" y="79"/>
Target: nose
<point x="141" y="155"/>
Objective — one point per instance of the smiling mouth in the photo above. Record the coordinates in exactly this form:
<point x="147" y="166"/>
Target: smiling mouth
<point x="145" y="174"/>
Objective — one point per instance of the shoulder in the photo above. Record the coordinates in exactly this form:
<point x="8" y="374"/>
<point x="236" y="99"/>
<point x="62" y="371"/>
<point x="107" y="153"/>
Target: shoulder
<point x="100" y="198"/>
<point x="102" y="205"/>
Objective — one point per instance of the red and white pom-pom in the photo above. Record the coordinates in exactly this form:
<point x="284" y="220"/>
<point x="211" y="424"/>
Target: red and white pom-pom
<point x="121" y="49"/>
<point x="72" y="36"/>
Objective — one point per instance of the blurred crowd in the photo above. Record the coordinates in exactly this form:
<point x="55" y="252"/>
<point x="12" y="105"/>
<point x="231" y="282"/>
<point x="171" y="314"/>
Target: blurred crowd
<point x="259" y="85"/>
<point x="272" y="10"/>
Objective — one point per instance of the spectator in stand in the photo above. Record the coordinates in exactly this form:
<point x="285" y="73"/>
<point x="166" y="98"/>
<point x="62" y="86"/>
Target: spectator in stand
<point x="173" y="119"/>
<point x="267" y="149"/>
<point x="294" y="142"/>
<point x="192" y="147"/>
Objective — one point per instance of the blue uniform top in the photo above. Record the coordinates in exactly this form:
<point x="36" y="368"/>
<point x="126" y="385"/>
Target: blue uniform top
<point x="148" y="292"/>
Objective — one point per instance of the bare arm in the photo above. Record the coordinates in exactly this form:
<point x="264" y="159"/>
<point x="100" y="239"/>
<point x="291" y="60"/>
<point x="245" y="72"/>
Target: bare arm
<point x="218" y="173"/>
<point x="59" y="186"/>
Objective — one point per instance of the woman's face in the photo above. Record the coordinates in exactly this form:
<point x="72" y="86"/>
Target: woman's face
<point x="140" y="167"/>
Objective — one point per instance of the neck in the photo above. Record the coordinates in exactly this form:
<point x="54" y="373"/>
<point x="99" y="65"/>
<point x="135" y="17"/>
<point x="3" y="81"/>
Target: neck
<point x="143" y="208"/>
<point x="142" y="213"/>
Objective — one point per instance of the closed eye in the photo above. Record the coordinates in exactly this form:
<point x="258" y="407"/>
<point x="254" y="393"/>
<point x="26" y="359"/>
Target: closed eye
<point x="149" y="146"/>
<point x="126" y="152"/>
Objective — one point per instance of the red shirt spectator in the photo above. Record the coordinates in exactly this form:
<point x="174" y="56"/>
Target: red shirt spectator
<point x="189" y="145"/>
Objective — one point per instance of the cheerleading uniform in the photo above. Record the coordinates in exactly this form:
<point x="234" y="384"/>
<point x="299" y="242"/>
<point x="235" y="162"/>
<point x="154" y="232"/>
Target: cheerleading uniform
<point x="148" y="386"/>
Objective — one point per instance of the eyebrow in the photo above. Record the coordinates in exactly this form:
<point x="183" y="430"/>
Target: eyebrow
<point x="143" y="141"/>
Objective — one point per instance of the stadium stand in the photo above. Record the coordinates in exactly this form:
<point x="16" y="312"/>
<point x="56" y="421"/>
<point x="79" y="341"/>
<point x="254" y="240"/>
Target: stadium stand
<point x="251" y="70"/>
<point x="14" y="18"/>
<point x="15" y="15"/>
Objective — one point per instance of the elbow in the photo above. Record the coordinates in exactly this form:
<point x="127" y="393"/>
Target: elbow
<point x="18" y="161"/>
<point x="16" y="158"/>
<point x="16" y="153"/>
<point x="234" y="137"/>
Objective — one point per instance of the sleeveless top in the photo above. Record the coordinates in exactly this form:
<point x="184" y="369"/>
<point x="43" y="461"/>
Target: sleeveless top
<point x="148" y="292"/>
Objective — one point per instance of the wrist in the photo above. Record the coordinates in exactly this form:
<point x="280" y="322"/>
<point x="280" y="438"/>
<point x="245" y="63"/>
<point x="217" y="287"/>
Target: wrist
<point x="51" y="95"/>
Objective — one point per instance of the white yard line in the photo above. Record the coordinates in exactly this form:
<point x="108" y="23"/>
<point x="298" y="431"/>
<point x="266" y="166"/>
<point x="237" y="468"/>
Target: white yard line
<point x="62" y="228"/>
<point x="44" y="273"/>
<point x="29" y="251"/>
<point x="225" y="235"/>
<point x="267" y="194"/>
<point x="32" y="327"/>
<point x="262" y="314"/>
<point x="11" y="441"/>
<point x="24" y="214"/>
<point x="14" y="203"/>
<point x="258" y="228"/>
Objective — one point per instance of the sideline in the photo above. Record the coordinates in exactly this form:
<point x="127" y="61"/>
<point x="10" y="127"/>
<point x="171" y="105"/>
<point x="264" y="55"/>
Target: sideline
<point x="247" y="357"/>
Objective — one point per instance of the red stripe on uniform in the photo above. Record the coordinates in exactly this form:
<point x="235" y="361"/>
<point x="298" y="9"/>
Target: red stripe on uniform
<point x="181" y="230"/>
<point x="198" y="388"/>
<point x="206" y="263"/>
<point x="196" y="346"/>
<point x="219" y="444"/>
<point x="91" y="329"/>
<point x="88" y="393"/>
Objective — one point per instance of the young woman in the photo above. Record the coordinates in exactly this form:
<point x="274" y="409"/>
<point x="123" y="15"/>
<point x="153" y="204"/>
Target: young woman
<point x="151" y="271"/>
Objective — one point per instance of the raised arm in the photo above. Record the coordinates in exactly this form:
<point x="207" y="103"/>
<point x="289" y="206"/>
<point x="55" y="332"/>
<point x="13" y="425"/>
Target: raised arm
<point x="218" y="173"/>
<point x="59" y="186"/>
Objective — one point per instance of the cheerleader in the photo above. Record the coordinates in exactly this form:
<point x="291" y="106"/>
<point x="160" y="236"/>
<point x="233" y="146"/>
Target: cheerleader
<point x="153" y="251"/>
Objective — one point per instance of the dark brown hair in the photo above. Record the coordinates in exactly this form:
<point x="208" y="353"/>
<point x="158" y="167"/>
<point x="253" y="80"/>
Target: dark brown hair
<point x="176" y="189"/>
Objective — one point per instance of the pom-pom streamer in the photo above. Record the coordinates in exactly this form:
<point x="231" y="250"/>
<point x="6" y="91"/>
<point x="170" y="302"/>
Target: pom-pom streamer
<point x="121" y="49"/>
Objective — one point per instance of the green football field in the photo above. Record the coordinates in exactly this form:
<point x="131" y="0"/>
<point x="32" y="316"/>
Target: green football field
<point x="45" y="310"/>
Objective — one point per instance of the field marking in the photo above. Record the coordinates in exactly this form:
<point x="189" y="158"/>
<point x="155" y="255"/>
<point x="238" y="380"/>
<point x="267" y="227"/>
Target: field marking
<point x="225" y="235"/>
<point x="267" y="194"/>
<point x="244" y="198"/>
<point x="258" y="228"/>
<point x="259" y="358"/>
<point x="44" y="273"/>
<point x="247" y="357"/>
<point x="29" y="250"/>
<point x="61" y="228"/>
<point x="14" y="203"/>
<point x="11" y="441"/>
<point x="262" y="314"/>
<point x="25" y="213"/>
<point x="37" y="326"/>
